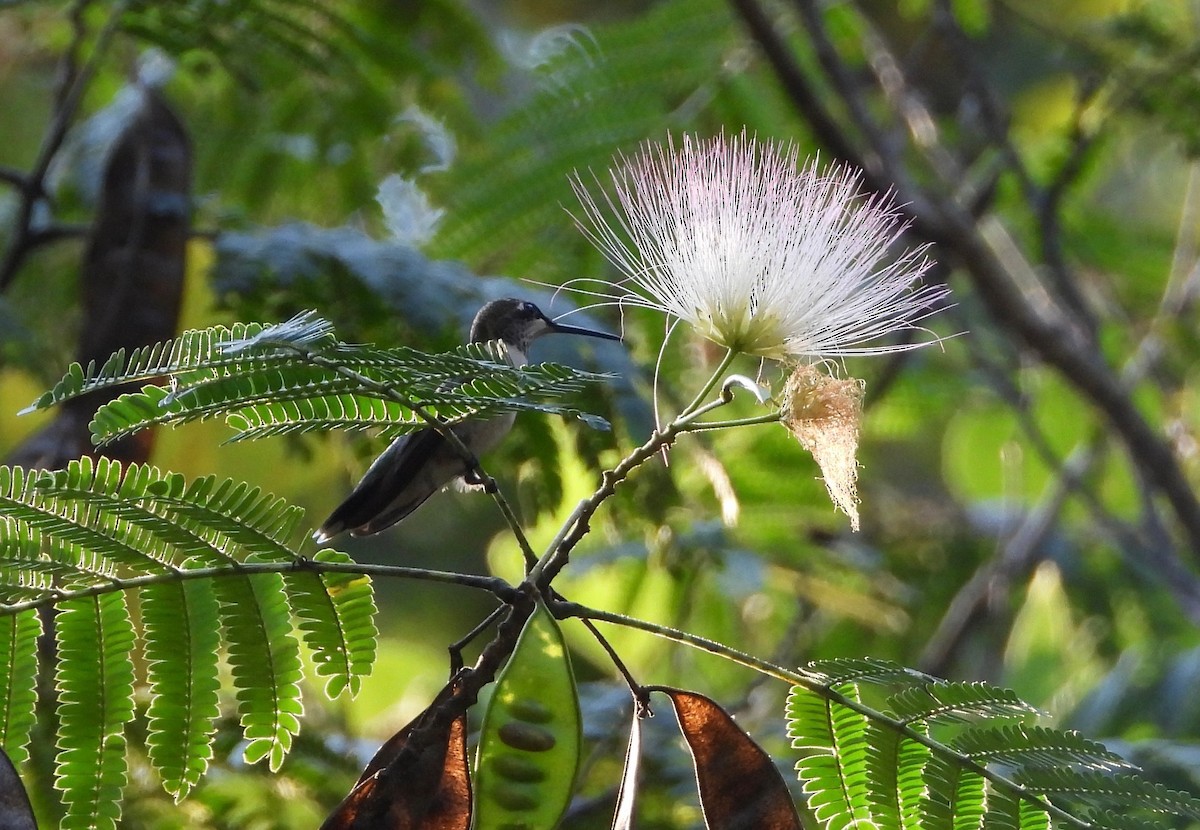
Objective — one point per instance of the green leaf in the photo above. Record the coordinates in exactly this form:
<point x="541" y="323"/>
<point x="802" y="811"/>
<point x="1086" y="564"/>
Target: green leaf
<point x="943" y="702"/>
<point x="955" y="795"/>
<point x="1011" y="775"/>
<point x="833" y="765"/>
<point x="265" y="661"/>
<point x="530" y="740"/>
<point x="296" y="377"/>
<point x="1023" y="745"/>
<point x="841" y="670"/>
<point x="1105" y="790"/>
<point x="18" y="681"/>
<point x="95" y="687"/>
<point x="336" y="613"/>
<point x="181" y="641"/>
<point x="81" y="534"/>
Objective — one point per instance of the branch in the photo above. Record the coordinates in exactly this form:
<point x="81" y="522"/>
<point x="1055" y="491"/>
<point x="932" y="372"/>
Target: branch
<point x="14" y="177"/>
<point x="578" y="523"/>
<point x="73" y="83"/>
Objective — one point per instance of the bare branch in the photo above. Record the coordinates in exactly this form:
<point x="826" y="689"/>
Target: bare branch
<point x="73" y="82"/>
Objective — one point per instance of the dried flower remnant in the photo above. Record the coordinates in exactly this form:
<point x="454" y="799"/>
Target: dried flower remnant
<point x="727" y="235"/>
<point x="824" y="414"/>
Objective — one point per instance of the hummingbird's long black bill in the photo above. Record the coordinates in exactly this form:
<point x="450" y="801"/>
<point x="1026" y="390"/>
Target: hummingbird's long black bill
<point x="560" y="328"/>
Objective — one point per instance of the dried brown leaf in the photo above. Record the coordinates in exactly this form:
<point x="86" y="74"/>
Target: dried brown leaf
<point x="418" y="780"/>
<point x="740" y="787"/>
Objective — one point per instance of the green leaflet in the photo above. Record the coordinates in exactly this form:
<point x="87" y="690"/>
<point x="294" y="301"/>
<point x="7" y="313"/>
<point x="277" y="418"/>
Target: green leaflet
<point x="955" y="795"/>
<point x="296" y="377"/>
<point x="235" y="516"/>
<point x="79" y="532"/>
<point x="942" y="702"/>
<point x="336" y="614"/>
<point x="530" y="739"/>
<point x="95" y="688"/>
<point x="1025" y="745"/>
<point x="1118" y="791"/>
<point x="18" y="673"/>
<point x="181" y="640"/>
<point x="833" y="764"/>
<point x="265" y="661"/>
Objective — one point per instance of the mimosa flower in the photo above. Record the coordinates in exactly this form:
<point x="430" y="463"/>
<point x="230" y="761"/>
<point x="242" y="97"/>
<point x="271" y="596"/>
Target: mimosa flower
<point x="729" y="236"/>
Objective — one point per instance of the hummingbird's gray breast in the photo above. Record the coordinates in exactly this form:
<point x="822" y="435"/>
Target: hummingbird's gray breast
<point x="481" y="436"/>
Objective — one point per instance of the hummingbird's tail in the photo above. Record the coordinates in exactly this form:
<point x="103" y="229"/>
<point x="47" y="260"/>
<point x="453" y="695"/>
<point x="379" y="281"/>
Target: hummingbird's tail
<point x="395" y="485"/>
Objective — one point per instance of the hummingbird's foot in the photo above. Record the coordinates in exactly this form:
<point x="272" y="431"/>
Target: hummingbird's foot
<point x="475" y="479"/>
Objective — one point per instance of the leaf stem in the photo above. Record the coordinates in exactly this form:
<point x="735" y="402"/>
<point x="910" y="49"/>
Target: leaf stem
<point x="493" y="585"/>
<point x="577" y="524"/>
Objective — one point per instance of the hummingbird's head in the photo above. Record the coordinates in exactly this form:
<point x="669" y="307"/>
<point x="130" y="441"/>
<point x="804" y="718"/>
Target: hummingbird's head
<point x="518" y="323"/>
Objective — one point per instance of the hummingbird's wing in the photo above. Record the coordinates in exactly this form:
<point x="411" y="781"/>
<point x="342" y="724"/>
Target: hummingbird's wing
<point x="396" y="484"/>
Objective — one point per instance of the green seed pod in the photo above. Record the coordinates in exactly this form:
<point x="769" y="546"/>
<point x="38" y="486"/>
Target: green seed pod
<point x="529" y="743"/>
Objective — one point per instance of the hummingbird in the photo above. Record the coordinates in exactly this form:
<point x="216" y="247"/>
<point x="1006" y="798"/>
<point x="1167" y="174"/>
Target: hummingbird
<point x="420" y="463"/>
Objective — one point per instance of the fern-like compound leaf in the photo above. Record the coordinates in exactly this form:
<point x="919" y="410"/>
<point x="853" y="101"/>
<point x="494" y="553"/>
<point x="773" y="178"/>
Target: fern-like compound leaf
<point x="80" y="534"/>
<point x="862" y="670"/>
<point x="18" y="681"/>
<point x="336" y="614"/>
<point x="234" y="515"/>
<point x="1026" y="745"/>
<point x="296" y="377"/>
<point x="1114" y="820"/>
<point x="84" y="539"/>
<point x="883" y="759"/>
<point x="950" y="756"/>
<point x="943" y="702"/>
<point x="954" y="797"/>
<point x="1107" y="791"/>
<point x="912" y="759"/>
<point x="179" y="627"/>
<point x="264" y="657"/>
<point x="95" y="686"/>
